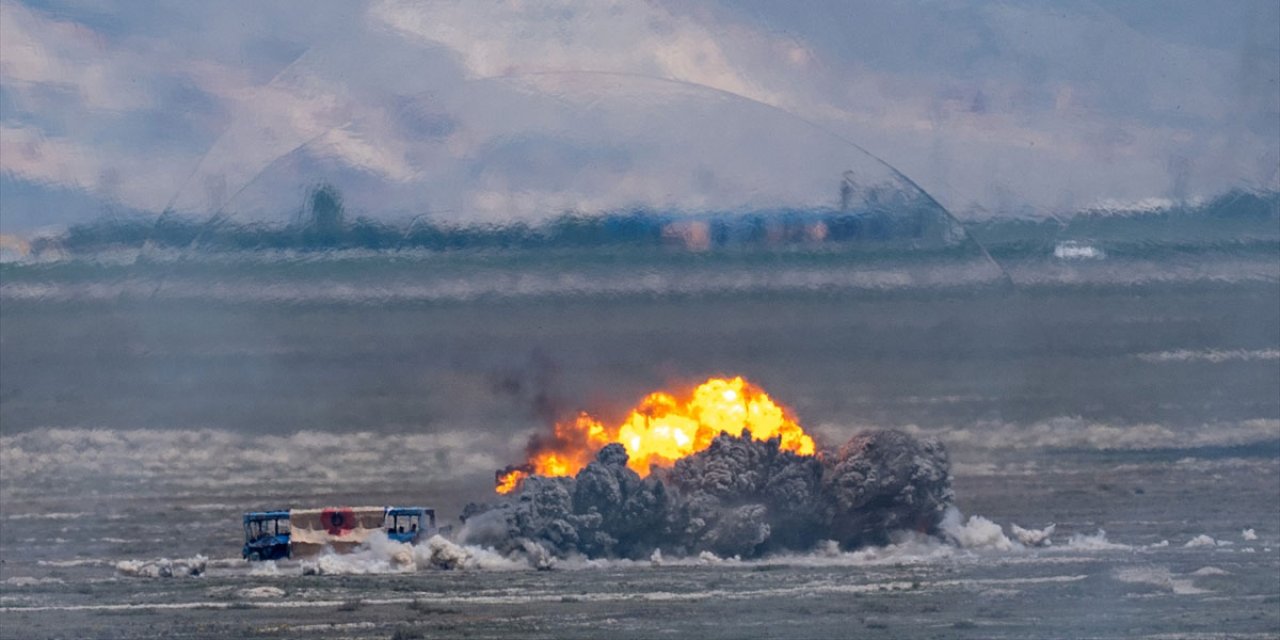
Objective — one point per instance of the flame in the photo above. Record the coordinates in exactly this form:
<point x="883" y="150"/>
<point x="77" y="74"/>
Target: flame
<point x="662" y="429"/>
<point x="509" y="479"/>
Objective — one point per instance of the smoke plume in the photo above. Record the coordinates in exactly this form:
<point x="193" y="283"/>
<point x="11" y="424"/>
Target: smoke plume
<point x="738" y="497"/>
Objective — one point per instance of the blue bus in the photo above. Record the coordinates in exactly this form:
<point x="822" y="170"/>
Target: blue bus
<point x="268" y="534"/>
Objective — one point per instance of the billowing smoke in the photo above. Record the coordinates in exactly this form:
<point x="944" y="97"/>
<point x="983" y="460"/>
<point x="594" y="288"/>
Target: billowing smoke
<point x="738" y="497"/>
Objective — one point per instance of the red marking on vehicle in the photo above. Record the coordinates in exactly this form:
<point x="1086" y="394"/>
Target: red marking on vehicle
<point x="338" y="520"/>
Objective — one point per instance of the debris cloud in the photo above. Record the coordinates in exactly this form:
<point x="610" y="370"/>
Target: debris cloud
<point x="738" y="496"/>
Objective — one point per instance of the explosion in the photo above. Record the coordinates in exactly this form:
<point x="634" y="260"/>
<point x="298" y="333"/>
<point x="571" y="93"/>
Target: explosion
<point x="721" y="469"/>
<point x="662" y="429"/>
<point x="737" y="497"/>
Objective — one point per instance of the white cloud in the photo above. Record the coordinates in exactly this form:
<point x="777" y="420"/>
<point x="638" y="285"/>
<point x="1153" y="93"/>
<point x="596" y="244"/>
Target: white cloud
<point x="960" y="136"/>
<point x="137" y="180"/>
<point x="506" y="38"/>
<point x="40" y="56"/>
<point x="38" y="51"/>
<point x="27" y="154"/>
<point x="299" y="108"/>
<point x="1011" y="106"/>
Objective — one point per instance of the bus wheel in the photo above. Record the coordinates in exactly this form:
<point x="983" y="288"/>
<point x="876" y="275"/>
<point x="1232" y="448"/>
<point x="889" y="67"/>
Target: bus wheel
<point x="254" y="556"/>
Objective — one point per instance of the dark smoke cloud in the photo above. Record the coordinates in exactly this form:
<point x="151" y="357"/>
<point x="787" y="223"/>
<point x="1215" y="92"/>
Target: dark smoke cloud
<point x="738" y="497"/>
<point x="535" y="385"/>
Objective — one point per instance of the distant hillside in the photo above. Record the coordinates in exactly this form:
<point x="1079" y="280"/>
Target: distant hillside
<point x="1234" y="217"/>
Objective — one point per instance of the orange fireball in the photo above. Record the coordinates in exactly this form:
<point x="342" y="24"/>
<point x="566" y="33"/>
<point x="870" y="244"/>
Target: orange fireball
<point x="662" y="429"/>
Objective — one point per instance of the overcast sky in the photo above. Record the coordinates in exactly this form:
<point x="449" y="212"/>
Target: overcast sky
<point x="484" y="111"/>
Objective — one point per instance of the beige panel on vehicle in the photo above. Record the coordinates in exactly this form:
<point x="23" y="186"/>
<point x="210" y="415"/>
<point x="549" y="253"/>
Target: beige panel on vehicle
<point x="340" y="528"/>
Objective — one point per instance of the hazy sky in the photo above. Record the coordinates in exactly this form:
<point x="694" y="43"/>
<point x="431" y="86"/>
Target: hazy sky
<point x="461" y="110"/>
